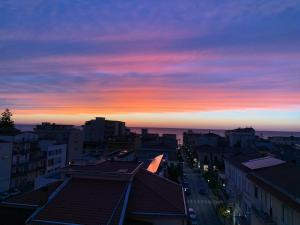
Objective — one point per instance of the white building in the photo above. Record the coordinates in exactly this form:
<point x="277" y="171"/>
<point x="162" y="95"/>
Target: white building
<point x="276" y="197"/>
<point x="241" y="137"/>
<point x="66" y="134"/>
<point x="25" y="162"/>
<point x="263" y="190"/>
<point x="56" y="155"/>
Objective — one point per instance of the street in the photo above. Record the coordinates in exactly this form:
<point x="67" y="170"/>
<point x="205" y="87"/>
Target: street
<point x="202" y="204"/>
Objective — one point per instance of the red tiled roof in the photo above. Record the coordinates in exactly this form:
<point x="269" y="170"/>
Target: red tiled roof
<point x="100" y="201"/>
<point x="33" y="198"/>
<point x="154" y="194"/>
<point x="85" y="201"/>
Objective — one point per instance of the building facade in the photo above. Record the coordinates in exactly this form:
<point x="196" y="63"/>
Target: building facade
<point x="55" y="155"/>
<point x="241" y="137"/>
<point x="63" y="134"/>
<point x="23" y="160"/>
<point x="5" y="164"/>
<point x="99" y="130"/>
<point x="263" y="190"/>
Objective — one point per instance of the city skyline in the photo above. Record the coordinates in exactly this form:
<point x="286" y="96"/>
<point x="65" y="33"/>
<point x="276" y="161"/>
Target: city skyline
<point x="154" y="64"/>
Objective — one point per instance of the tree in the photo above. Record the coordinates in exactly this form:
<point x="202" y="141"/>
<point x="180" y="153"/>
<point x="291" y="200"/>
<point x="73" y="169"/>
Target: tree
<point x="174" y="172"/>
<point x="6" y="120"/>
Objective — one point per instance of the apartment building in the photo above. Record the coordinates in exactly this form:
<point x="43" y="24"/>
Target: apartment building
<point x="192" y="139"/>
<point x="276" y="197"/>
<point x="99" y="129"/>
<point x="241" y="137"/>
<point x="26" y="160"/>
<point x="63" y="134"/>
<point x="55" y="155"/>
<point x="263" y="190"/>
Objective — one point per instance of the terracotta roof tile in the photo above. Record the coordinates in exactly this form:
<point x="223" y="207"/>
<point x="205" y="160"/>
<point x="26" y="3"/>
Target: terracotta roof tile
<point x="85" y="201"/>
<point x="35" y="198"/>
<point x="154" y="194"/>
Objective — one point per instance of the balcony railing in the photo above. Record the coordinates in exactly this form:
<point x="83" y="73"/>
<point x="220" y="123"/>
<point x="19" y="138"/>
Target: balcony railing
<point x="263" y="217"/>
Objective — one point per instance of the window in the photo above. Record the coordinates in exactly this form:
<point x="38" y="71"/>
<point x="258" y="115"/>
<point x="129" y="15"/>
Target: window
<point x="283" y="213"/>
<point x="255" y="191"/>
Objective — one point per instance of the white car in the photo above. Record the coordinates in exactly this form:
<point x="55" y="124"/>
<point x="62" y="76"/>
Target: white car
<point x="14" y="192"/>
<point x="192" y="216"/>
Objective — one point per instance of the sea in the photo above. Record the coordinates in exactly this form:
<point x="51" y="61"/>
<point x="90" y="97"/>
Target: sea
<point x="179" y="131"/>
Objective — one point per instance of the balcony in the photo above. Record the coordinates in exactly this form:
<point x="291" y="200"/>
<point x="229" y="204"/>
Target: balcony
<point x="261" y="218"/>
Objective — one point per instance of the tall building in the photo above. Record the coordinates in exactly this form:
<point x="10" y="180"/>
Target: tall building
<point x="27" y="161"/>
<point x="99" y="130"/>
<point x="63" y="134"/>
<point x="241" y="137"/>
<point x="93" y="130"/>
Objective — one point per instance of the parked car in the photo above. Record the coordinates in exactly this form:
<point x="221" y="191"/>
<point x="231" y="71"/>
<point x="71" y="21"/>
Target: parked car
<point x="14" y="192"/>
<point x="192" y="216"/>
<point x="187" y="191"/>
<point x="4" y="196"/>
<point x="186" y="186"/>
<point x="185" y="180"/>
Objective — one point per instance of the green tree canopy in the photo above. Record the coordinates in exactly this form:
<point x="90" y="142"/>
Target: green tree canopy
<point x="6" y="120"/>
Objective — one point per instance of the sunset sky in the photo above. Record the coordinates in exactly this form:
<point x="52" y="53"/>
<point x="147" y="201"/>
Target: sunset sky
<point x="156" y="63"/>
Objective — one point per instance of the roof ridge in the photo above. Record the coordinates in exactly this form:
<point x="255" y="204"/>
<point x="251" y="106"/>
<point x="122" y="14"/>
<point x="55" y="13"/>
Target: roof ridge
<point x="50" y="198"/>
<point x="162" y="196"/>
<point x="168" y="180"/>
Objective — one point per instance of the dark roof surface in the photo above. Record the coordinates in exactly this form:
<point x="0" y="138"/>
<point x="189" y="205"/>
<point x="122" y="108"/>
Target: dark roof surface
<point x="35" y="198"/>
<point x="108" y="167"/>
<point x="86" y="201"/>
<point x="92" y="201"/>
<point x="154" y="194"/>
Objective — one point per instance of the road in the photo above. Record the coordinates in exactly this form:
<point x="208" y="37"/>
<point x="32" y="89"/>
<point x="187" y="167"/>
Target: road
<point x="202" y="204"/>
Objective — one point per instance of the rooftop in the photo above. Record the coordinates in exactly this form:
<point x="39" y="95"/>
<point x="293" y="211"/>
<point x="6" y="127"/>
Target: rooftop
<point x="107" y="167"/>
<point x="89" y="201"/>
<point x="152" y="194"/>
<point x="238" y="160"/>
<point x="34" y="198"/>
<point x="85" y="201"/>
<point x="262" y="162"/>
<point x="242" y="130"/>
<point x="282" y="181"/>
